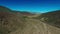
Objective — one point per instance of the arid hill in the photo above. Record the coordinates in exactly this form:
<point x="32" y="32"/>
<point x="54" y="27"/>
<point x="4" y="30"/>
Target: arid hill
<point x="10" y="21"/>
<point x="52" y="18"/>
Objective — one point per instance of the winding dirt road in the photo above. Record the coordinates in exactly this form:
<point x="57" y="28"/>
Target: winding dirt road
<point x="34" y="26"/>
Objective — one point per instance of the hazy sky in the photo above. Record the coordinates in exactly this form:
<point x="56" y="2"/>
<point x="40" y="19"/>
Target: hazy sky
<point x="32" y="5"/>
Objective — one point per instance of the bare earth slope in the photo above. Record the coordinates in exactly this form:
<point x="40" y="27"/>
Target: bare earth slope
<point x="52" y="18"/>
<point x="9" y="22"/>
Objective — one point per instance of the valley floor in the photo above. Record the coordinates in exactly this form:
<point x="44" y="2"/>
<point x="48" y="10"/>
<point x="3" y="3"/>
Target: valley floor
<point x="33" y="26"/>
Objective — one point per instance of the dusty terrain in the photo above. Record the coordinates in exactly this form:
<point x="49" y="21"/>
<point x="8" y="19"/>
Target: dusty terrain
<point x="17" y="23"/>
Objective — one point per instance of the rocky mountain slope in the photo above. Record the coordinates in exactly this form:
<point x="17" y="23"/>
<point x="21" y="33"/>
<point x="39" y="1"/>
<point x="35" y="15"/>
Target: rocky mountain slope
<point x="12" y="22"/>
<point x="52" y="18"/>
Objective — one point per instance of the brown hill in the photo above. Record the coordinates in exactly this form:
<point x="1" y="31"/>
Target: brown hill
<point x="52" y="18"/>
<point x="9" y="21"/>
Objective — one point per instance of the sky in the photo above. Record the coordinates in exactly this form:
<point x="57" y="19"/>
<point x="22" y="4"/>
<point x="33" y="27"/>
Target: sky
<point x="40" y="6"/>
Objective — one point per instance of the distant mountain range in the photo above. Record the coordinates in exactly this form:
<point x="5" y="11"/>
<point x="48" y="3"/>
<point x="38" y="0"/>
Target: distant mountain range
<point x="5" y="9"/>
<point x="23" y="22"/>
